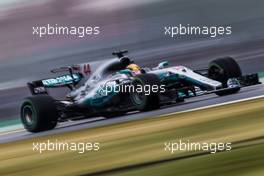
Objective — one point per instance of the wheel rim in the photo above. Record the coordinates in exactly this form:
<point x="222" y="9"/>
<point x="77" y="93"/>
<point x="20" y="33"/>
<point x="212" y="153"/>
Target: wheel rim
<point x="28" y="114"/>
<point x="138" y="97"/>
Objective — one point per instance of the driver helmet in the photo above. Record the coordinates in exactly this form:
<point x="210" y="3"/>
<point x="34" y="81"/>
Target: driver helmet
<point x="134" y="68"/>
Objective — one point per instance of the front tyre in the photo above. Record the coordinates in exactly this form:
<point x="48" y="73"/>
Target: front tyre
<point x="142" y="100"/>
<point x="222" y="70"/>
<point x="39" y="113"/>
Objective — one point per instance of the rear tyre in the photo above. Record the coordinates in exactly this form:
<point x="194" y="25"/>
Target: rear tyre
<point x="146" y="100"/>
<point x="39" y="113"/>
<point x="223" y="69"/>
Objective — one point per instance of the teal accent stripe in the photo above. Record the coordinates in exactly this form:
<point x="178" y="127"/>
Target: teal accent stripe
<point x="13" y="121"/>
<point x="261" y="77"/>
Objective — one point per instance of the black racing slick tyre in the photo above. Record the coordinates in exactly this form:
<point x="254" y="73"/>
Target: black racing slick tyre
<point x="146" y="100"/>
<point x="223" y="69"/>
<point x="39" y="113"/>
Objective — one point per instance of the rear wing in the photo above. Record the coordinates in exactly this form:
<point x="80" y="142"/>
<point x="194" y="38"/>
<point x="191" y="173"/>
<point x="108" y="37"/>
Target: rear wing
<point x="75" y="74"/>
<point x="68" y="80"/>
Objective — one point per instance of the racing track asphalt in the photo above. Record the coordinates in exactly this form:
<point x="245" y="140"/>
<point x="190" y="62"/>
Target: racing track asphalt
<point x="189" y="104"/>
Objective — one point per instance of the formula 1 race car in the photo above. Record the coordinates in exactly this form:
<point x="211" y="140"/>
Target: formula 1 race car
<point x="118" y="86"/>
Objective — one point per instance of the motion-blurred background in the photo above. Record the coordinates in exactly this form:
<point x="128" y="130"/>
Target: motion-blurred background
<point x="124" y="24"/>
<point x="134" y="25"/>
<point x="133" y="148"/>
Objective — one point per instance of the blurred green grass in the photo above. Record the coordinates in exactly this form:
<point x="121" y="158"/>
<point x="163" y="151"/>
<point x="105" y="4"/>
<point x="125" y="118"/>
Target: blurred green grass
<point x="243" y="161"/>
<point x="137" y="148"/>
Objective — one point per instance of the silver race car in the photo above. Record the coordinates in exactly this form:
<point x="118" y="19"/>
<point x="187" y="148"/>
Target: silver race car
<point x="118" y="86"/>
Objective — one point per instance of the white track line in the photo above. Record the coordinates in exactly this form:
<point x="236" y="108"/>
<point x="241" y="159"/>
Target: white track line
<point x="12" y="132"/>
